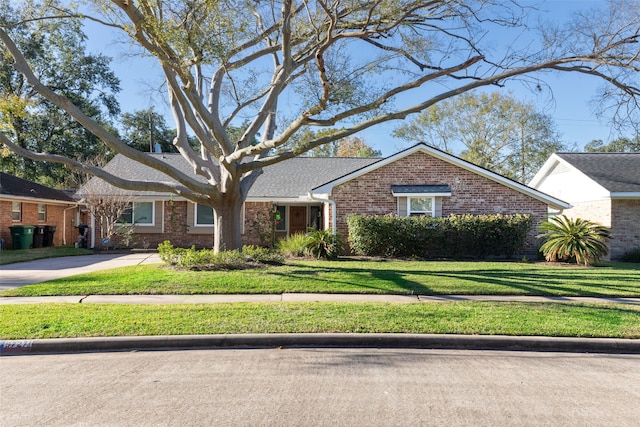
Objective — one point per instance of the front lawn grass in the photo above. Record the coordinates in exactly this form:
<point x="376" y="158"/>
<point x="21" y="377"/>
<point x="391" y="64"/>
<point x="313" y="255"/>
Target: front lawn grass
<point x="357" y="277"/>
<point x="22" y="255"/>
<point x="32" y="321"/>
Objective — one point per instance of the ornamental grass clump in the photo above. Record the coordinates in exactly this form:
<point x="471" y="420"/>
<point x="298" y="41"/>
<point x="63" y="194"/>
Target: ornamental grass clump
<point x="323" y="244"/>
<point x="573" y="240"/>
<point x="293" y="246"/>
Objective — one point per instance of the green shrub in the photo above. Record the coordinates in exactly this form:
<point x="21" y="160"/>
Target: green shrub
<point x="293" y="246"/>
<point x="262" y="255"/>
<point x="632" y="256"/>
<point x="196" y="259"/>
<point x="227" y="260"/>
<point x="323" y="244"/>
<point x="450" y="237"/>
<point x="168" y="254"/>
<point x="576" y="240"/>
<point x="202" y="259"/>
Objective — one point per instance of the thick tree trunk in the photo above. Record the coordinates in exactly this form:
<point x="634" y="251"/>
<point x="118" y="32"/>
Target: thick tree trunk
<point x="228" y="224"/>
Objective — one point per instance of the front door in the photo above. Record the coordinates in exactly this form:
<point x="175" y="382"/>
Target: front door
<point x="297" y="219"/>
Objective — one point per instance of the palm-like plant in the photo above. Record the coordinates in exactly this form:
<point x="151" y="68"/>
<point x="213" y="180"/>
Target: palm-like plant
<point x="579" y="239"/>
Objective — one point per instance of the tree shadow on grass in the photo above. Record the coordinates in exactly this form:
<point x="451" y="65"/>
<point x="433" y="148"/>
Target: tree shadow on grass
<point x="572" y="282"/>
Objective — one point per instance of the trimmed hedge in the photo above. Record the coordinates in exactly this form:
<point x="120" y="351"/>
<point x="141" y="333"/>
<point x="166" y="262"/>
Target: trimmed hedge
<point x="455" y="236"/>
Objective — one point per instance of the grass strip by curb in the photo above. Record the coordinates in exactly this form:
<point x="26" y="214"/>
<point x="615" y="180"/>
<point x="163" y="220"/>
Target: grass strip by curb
<point x="525" y="319"/>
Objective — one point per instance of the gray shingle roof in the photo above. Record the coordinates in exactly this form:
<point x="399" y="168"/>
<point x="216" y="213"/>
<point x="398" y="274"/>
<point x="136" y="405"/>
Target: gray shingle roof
<point x="295" y="177"/>
<point x="17" y="187"/>
<point x="288" y="179"/>
<point x="616" y="172"/>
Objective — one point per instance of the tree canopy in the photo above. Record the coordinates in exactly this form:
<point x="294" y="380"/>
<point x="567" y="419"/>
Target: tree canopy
<point x="56" y="53"/>
<point x="286" y="66"/>
<point x="353" y="146"/>
<point x="492" y="130"/>
<point x="619" y="145"/>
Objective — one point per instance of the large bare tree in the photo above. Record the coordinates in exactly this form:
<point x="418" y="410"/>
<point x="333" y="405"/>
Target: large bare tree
<point x="287" y="66"/>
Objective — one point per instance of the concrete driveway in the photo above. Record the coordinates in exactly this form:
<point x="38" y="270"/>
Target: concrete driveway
<point x="26" y="273"/>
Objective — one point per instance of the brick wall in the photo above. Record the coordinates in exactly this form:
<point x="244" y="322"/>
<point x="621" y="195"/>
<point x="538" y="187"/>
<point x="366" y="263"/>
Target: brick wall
<point x="598" y="211"/>
<point x="252" y="212"/>
<point x="54" y="216"/>
<point x="625" y="227"/>
<point x="370" y="194"/>
<point x="173" y="217"/>
<point x="621" y="215"/>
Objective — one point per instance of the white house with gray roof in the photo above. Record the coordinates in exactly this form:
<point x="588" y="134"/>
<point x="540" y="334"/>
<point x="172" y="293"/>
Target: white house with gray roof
<point x="307" y="192"/>
<point x="601" y="187"/>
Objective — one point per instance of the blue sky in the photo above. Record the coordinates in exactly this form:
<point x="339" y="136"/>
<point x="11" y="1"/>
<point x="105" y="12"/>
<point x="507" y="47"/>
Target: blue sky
<point x="569" y="103"/>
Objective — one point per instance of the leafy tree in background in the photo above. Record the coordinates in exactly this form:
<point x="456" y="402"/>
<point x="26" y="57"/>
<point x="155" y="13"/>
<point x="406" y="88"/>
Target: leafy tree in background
<point x="356" y="147"/>
<point x="620" y="145"/>
<point x="56" y="52"/>
<point x="287" y="66"/>
<point x="495" y="131"/>
<point x="347" y="147"/>
<point x="144" y="128"/>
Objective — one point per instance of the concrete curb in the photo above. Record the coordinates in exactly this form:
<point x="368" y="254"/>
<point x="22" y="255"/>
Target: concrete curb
<point x="341" y="340"/>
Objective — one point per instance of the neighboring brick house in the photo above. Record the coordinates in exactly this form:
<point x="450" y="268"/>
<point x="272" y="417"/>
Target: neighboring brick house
<point x="601" y="187"/>
<point x="322" y="192"/>
<point x="24" y="202"/>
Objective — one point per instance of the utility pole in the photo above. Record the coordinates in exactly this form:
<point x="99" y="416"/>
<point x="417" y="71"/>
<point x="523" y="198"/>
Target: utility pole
<point x="150" y="132"/>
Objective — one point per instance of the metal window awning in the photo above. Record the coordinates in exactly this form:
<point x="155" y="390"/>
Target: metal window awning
<point x="420" y="190"/>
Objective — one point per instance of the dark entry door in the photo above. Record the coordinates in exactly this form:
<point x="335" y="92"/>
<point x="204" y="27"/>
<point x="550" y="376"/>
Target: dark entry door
<point x="297" y="219"/>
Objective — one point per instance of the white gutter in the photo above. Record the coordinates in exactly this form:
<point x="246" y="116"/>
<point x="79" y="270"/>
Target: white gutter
<point x="64" y="223"/>
<point x="93" y="231"/>
<point x="625" y="195"/>
<point x="334" y="220"/>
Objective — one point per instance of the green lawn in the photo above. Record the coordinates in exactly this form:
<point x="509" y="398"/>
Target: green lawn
<point x="547" y="319"/>
<point x="21" y="255"/>
<point x="29" y="321"/>
<point x="357" y="276"/>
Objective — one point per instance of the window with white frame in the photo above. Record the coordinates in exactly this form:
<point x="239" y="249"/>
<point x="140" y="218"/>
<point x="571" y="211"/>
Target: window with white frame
<point x="16" y="211"/>
<point x="203" y="215"/>
<point x="42" y="212"/>
<point x="138" y="213"/>
<point x="420" y="206"/>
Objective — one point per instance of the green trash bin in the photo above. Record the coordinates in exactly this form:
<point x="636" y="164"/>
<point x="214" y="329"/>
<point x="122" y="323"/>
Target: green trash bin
<point x="22" y="236"/>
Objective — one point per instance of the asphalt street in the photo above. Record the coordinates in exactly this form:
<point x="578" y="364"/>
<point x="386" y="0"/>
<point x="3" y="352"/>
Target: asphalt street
<point x="320" y="387"/>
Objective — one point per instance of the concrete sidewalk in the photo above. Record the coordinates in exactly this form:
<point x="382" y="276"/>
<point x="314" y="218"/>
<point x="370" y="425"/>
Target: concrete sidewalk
<point x="41" y="270"/>
<point x="302" y="297"/>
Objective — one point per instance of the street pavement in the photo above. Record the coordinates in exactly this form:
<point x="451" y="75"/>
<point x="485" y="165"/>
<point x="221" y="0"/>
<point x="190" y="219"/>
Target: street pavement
<point x="321" y="387"/>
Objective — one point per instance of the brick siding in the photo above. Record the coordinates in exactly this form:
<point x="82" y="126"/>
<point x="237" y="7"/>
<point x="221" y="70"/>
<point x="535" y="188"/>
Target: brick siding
<point x="625" y="227"/>
<point x="370" y="194"/>
<point x="55" y="216"/>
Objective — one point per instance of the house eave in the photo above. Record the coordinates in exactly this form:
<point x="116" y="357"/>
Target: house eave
<point x="625" y="195"/>
<point x="8" y="197"/>
<point x="289" y="200"/>
<point x="420" y="194"/>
